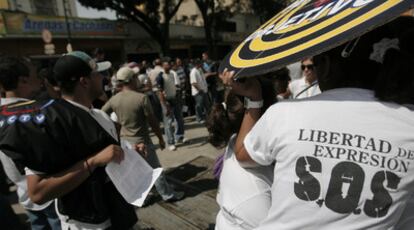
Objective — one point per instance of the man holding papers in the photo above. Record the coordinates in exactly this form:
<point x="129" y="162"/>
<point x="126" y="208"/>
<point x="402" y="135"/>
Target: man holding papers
<point x="64" y="146"/>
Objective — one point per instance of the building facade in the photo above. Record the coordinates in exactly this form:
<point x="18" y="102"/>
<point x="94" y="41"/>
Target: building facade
<point x="22" y="23"/>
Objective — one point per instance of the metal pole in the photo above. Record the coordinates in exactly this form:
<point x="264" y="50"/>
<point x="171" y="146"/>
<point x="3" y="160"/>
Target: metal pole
<point x="67" y="22"/>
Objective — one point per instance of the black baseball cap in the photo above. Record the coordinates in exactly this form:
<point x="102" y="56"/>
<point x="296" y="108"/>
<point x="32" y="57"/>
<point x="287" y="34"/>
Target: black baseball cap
<point x="76" y="64"/>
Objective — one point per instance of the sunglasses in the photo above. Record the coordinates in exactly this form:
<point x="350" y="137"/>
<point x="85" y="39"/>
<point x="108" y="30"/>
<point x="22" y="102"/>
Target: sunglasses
<point x="309" y="67"/>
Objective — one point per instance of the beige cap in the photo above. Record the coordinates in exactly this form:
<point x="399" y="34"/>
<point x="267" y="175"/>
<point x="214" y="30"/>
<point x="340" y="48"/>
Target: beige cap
<point x="124" y="74"/>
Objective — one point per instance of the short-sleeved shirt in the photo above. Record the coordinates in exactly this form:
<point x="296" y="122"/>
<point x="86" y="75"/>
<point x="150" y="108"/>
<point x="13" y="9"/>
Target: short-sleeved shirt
<point x="132" y="109"/>
<point x="245" y="201"/>
<point x="196" y="76"/>
<point x="166" y="82"/>
<point x="301" y="89"/>
<point x="153" y="74"/>
<point x="105" y="122"/>
<point x="344" y="160"/>
<point x="15" y="176"/>
<point x="182" y="78"/>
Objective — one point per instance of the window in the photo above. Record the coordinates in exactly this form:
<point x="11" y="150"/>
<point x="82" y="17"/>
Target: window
<point x="45" y="7"/>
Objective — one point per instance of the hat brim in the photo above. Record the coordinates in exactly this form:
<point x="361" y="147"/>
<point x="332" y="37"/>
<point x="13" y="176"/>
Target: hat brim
<point x="102" y="66"/>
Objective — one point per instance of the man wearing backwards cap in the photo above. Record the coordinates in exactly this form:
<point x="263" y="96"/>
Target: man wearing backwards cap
<point x="72" y="148"/>
<point x="134" y="112"/>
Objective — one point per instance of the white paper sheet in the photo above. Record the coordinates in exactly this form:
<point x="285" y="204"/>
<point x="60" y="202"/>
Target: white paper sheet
<point x="133" y="177"/>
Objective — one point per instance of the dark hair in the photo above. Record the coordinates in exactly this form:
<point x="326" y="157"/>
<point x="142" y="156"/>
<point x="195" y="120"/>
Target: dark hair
<point x="395" y="81"/>
<point x="197" y="61"/>
<point x="280" y="79"/>
<point x="11" y="68"/>
<point x="67" y="72"/>
<point x="356" y="69"/>
<point x="223" y="122"/>
<point x="98" y="51"/>
<point x="47" y="73"/>
<point x="143" y="70"/>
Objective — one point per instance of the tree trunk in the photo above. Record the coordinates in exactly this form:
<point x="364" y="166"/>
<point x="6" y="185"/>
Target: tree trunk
<point x="208" y="33"/>
<point x="165" y="40"/>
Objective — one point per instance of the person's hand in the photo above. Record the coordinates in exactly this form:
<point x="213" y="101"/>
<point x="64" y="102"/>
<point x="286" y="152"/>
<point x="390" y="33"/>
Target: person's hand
<point x="141" y="149"/>
<point x="249" y="88"/>
<point x="162" y="143"/>
<point x="111" y="153"/>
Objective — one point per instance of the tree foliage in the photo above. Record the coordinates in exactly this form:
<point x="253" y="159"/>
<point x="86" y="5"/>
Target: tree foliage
<point x="266" y="9"/>
<point x="152" y="15"/>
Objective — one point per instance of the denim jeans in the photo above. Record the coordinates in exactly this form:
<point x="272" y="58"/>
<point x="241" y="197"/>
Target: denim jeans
<point x="201" y="105"/>
<point x="44" y="219"/>
<point x="168" y="121"/>
<point x="178" y="115"/>
<point x="161" y="185"/>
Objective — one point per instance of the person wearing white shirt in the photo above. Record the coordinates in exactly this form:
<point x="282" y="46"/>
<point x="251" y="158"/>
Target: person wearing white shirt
<point x="341" y="156"/>
<point x="244" y="193"/>
<point x="307" y="86"/>
<point x="199" y="91"/>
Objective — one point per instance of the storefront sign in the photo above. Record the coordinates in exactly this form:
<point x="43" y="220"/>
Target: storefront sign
<point x="19" y="23"/>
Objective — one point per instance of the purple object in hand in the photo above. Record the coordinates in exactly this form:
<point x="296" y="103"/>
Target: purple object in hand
<point x="218" y="166"/>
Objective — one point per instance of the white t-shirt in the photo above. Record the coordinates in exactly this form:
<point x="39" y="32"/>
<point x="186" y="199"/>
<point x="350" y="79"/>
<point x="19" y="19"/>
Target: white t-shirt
<point x="344" y="161"/>
<point x="153" y="74"/>
<point x="196" y="76"/>
<point x="244" y="194"/>
<point x="103" y="119"/>
<point x="298" y="86"/>
<point x="15" y="176"/>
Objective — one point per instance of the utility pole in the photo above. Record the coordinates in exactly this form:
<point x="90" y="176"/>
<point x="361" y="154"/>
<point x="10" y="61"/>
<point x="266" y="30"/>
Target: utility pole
<point x="69" y="35"/>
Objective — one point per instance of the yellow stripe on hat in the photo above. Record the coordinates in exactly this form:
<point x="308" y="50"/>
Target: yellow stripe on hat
<point x="237" y="62"/>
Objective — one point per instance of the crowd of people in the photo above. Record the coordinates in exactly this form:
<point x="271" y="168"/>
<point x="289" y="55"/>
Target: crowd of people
<point x="328" y="148"/>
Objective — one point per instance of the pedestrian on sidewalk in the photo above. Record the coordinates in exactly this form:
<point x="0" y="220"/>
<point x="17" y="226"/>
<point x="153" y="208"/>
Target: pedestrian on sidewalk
<point x="155" y="101"/>
<point x="134" y="113"/>
<point x="166" y="83"/>
<point x="180" y="85"/>
<point x="199" y="91"/>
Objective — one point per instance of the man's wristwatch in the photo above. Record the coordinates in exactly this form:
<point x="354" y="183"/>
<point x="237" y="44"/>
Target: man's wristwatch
<point x="249" y="104"/>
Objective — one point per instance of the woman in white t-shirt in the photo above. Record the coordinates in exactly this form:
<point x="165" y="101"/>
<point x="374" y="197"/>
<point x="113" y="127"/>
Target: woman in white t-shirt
<point x="244" y="201"/>
<point x="343" y="157"/>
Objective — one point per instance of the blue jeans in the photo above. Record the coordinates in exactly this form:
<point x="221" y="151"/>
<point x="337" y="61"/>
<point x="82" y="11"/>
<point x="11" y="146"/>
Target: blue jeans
<point x="201" y="105"/>
<point x="161" y="185"/>
<point x="44" y="219"/>
<point x="168" y="121"/>
<point x="178" y="115"/>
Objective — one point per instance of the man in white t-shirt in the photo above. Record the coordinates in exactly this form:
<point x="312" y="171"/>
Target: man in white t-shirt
<point x="199" y="91"/>
<point x="342" y="157"/>
<point x="20" y="82"/>
<point x="307" y="86"/>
